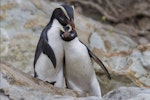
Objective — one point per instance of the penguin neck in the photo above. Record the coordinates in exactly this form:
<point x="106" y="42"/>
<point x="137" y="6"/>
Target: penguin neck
<point x="54" y="31"/>
<point x="56" y="25"/>
<point x="72" y="42"/>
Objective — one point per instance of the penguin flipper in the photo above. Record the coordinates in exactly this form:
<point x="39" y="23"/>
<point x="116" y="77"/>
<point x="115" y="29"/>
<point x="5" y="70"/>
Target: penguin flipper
<point x="98" y="61"/>
<point x="49" y="52"/>
<point x="37" y="53"/>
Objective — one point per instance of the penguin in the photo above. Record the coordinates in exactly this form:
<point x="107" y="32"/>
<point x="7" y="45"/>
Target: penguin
<point x="49" y="53"/>
<point x="79" y="71"/>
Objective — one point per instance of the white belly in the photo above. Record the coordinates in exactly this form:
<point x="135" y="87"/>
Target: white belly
<point x="45" y="69"/>
<point x="79" y="70"/>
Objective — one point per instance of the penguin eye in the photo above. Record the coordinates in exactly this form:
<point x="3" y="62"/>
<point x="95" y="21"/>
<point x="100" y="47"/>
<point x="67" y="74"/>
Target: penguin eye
<point x="67" y="27"/>
<point x="63" y="19"/>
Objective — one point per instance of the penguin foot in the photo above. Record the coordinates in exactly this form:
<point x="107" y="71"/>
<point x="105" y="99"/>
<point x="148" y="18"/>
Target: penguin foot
<point x="53" y="83"/>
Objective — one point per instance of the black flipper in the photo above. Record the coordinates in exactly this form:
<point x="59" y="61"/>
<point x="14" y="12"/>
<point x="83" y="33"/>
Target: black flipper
<point x="41" y="47"/>
<point x="38" y="51"/>
<point x="44" y="47"/>
<point x="49" y="52"/>
<point x="98" y="61"/>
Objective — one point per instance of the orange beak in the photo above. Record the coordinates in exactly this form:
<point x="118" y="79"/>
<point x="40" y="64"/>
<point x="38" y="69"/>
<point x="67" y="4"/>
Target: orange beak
<point x="66" y="34"/>
<point x="71" y="22"/>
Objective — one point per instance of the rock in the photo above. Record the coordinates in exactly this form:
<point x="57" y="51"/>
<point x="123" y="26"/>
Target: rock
<point x="145" y="59"/>
<point x="113" y="41"/>
<point x="127" y="28"/>
<point x="143" y="40"/>
<point x="97" y="42"/>
<point x="16" y="85"/>
<point x="25" y="93"/>
<point x="144" y="23"/>
<point x="25" y="17"/>
<point x="18" y="52"/>
<point x="127" y="68"/>
<point x="128" y="93"/>
<point x="131" y="63"/>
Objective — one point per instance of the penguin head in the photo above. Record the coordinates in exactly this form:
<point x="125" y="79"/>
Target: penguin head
<point x="67" y="34"/>
<point x="65" y="15"/>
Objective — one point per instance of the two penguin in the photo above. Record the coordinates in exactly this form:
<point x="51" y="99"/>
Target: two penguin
<point x="60" y="56"/>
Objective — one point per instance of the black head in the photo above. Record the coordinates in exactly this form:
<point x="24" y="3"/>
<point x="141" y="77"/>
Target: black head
<point x="67" y="34"/>
<point x="65" y="15"/>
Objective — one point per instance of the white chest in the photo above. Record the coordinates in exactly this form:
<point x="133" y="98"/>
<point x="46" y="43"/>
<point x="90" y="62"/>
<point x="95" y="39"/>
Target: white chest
<point x="55" y="41"/>
<point x="77" y="58"/>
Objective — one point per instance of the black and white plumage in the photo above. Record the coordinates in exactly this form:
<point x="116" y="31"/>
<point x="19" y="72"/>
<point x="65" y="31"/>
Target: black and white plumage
<point x="49" y="54"/>
<point x="79" y="71"/>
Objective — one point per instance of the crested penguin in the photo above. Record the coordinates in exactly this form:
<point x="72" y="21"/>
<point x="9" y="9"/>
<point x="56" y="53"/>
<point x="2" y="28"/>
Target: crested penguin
<point x="49" y="54"/>
<point x="79" y="71"/>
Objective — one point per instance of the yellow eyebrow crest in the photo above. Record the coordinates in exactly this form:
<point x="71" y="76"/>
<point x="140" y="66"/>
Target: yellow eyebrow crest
<point x="65" y="12"/>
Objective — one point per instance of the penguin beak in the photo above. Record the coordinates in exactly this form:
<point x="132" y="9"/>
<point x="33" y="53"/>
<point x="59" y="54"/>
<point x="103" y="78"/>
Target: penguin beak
<point x="66" y="34"/>
<point x="71" y="22"/>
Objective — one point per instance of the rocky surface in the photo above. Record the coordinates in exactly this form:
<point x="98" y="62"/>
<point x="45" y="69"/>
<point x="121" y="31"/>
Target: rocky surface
<point x="22" y="23"/>
<point x="14" y="81"/>
<point x="128" y="93"/>
<point x="16" y="85"/>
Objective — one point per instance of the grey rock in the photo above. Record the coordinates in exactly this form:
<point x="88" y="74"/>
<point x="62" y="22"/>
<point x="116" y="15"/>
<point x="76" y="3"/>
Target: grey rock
<point x="132" y="64"/>
<point x="24" y="86"/>
<point x="97" y="42"/>
<point x="128" y="93"/>
<point x="144" y="23"/>
<point x="143" y="40"/>
<point x="18" y="85"/>
<point x="145" y="59"/>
